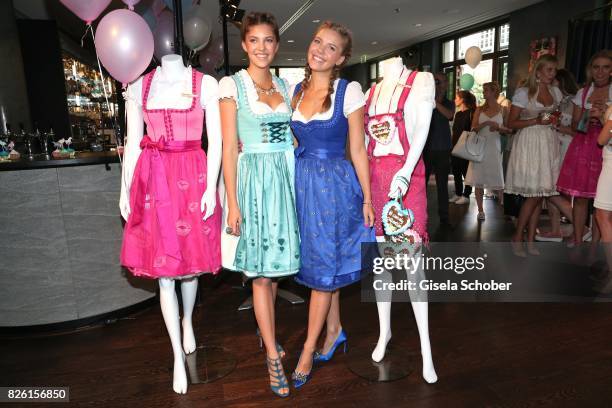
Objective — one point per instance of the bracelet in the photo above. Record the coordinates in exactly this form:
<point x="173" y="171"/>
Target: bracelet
<point x="367" y="203"/>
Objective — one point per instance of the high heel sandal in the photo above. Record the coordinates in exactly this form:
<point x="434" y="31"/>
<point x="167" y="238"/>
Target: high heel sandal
<point x="299" y="379"/>
<point x="279" y="349"/>
<point x="276" y="372"/>
<point x="319" y="357"/>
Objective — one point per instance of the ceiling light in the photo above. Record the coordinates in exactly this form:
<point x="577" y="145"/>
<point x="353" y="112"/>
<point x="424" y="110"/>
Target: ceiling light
<point x="418" y="25"/>
<point x="289" y="59"/>
<point x="374" y="42"/>
<point x="290" y="41"/>
<point x="316" y="21"/>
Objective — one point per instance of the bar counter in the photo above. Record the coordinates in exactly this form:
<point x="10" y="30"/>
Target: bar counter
<point x="60" y="241"/>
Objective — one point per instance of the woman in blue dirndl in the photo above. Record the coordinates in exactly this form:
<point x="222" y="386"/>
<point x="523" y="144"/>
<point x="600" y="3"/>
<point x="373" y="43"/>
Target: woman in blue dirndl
<point x="334" y="208"/>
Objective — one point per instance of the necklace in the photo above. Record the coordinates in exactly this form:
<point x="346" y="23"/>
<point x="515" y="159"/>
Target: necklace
<point x="268" y="92"/>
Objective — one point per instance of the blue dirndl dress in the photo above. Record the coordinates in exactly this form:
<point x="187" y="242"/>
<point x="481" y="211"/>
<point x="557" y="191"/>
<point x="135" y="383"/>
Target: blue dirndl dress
<point x="329" y="202"/>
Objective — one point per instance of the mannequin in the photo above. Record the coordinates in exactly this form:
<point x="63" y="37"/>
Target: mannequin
<point x="173" y="84"/>
<point x="418" y="109"/>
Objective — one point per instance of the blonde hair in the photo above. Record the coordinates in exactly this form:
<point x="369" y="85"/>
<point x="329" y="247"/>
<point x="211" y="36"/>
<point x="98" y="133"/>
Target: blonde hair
<point x="532" y="80"/>
<point x="347" y="37"/>
<point x="494" y="86"/>
<point x="600" y="54"/>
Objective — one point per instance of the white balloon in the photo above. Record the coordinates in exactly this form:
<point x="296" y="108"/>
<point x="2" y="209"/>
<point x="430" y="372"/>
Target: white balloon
<point x="196" y="31"/>
<point x="473" y="56"/>
<point x="482" y="74"/>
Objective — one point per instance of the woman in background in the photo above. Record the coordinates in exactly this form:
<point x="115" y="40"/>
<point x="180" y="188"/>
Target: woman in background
<point x="488" y="121"/>
<point x="465" y="105"/>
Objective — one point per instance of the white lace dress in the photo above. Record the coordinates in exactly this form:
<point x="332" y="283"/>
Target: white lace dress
<point x="534" y="165"/>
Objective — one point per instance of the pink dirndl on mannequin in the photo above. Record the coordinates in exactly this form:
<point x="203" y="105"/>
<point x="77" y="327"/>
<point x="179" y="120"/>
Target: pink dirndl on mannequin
<point x="165" y="235"/>
<point x="383" y="168"/>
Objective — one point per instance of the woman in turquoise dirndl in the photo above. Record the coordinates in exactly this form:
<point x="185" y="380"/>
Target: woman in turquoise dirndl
<point x="258" y="168"/>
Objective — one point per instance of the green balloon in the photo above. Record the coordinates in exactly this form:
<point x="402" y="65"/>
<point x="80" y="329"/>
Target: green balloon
<point x="466" y="82"/>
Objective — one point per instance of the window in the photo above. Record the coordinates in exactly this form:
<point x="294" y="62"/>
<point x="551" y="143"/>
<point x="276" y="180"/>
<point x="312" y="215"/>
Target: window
<point x="493" y="42"/>
<point x="292" y="75"/>
<point x="504" y="36"/>
<point x="448" y="51"/>
<point x="482" y="39"/>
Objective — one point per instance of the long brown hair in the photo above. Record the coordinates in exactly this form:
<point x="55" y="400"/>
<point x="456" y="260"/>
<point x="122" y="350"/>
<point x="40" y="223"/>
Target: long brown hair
<point x="532" y="80"/>
<point x="599" y="54"/>
<point x="347" y="36"/>
<point x="257" y="18"/>
<point x="468" y="99"/>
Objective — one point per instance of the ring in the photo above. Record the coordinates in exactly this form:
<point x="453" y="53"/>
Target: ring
<point x="228" y="230"/>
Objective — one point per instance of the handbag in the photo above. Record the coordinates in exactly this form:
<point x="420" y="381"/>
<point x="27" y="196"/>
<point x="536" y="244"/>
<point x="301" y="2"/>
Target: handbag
<point x="583" y="123"/>
<point x="470" y="146"/>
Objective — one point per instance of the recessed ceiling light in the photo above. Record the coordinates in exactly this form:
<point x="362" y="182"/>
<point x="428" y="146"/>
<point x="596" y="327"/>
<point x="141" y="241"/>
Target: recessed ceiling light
<point x="316" y="21"/>
<point x="289" y="59"/>
<point x="290" y="41"/>
<point x="374" y="42"/>
<point x="418" y="25"/>
<point x="244" y="59"/>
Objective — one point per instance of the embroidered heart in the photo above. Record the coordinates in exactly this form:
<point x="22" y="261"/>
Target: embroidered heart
<point x="396" y="219"/>
<point x="382" y="130"/>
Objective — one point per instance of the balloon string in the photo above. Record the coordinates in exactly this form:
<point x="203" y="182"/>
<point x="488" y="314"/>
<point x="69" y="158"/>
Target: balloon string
<point x="114" y="118"/>
<point x="87" y="28"/>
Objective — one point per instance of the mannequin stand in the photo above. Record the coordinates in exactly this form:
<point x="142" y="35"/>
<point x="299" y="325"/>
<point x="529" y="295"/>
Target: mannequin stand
<point x="209" y="363"/>
<point x="397" y="364"/>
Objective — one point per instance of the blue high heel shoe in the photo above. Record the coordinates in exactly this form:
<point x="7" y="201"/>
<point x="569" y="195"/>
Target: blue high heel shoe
<point x="279" y="349"/>
<point x="319" y="357"/>
<point x="299" y="379"/>
<point x="276" y="372"/>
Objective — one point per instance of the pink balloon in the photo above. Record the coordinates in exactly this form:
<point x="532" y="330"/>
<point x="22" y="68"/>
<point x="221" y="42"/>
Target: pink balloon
<point x="207" y="65"/>
<point x="124" y="44"/>
<point x="131" y="3"/>
<point x="87" y="10"/>
<point x="164" y="35"/>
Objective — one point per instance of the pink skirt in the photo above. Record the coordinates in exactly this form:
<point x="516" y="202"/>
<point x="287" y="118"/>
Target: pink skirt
<point x="582" y="165"/>
<point x="382" y="170"/>
<point x="165" y="235"/>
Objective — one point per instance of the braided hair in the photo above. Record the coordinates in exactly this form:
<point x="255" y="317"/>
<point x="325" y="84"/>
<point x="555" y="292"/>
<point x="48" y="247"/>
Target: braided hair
<point x="347" y="48"/>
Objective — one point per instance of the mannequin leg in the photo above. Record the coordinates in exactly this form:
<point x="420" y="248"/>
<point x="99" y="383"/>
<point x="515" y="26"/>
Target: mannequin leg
<point x="189" y="289"/>
<point x="421" y="315"/>
<point x="420" y="307"/>
<point x="170" y="312"/>
<point x="383" y="304"/>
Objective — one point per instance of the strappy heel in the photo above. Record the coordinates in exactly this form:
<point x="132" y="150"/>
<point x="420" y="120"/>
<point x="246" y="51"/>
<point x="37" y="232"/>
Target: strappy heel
<point x="277" y="375"/>
<point x="279" y="349"/>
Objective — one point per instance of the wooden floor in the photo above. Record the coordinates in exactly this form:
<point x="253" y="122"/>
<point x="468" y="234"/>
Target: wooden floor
<point x="506" y="355"/>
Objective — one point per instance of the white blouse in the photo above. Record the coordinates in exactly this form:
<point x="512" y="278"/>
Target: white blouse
<point x="165" y="93"/>
<point x="228" y="89"/>
<point x="578" y="98"/>
<point x="521" y="97"/>
<point x="353" y="100"/>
